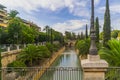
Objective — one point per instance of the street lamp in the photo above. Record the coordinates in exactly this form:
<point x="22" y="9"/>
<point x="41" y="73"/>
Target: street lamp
<point x="93" y="48"/>
<point x="51" y="37"/>
<point x="16" y="37"/>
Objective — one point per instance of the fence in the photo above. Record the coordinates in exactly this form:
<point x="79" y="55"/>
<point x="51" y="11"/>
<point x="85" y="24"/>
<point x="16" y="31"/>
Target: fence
<point x="56" y="73"/>
<point x="113" y="73"/>
<point x="53" y="73"/>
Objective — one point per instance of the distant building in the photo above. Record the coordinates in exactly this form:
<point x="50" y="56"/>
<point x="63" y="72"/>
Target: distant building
<point x="3" y="16"/>
<point x="31" y="24"/>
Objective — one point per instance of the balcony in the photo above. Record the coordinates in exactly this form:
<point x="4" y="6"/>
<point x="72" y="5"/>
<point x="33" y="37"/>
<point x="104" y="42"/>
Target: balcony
<point x="3" y="14"/>
<point x="2" y="10"/>
<point x="3" y="24"/>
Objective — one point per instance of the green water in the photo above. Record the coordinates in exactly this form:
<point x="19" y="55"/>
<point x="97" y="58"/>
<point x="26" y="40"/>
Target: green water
<point x="70" y="70"/>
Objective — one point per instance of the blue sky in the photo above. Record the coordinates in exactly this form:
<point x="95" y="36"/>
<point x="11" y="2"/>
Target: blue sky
<point x="62" y="15"/>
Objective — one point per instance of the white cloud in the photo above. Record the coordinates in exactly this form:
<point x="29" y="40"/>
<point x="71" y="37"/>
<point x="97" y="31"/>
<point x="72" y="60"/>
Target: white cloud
<point x="114" y="9"/>
<point x="75" y="7"/>
<point x="71" y="25"/>
<point x="29" y="5"/>
<point x="97" y="2"/>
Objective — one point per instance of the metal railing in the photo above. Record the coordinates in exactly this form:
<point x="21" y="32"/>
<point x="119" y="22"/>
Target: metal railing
<point x="113" y="73"/>
<point x="52" y="73"/>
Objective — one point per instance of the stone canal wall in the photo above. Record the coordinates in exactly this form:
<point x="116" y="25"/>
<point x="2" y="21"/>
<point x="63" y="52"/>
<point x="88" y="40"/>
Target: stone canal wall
<point x="9" y="57"/>
<point x="48" y="64"/>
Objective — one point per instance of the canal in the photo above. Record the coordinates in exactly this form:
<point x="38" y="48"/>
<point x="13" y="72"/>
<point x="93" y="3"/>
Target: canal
<point x="66" y="67"/>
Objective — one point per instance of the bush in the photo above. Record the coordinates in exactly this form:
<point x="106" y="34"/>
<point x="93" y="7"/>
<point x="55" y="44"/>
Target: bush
<point x="16" y="64"/>
<point x="83" y="47"/>
<point x="28" y="55"/>
<point x="57" y="46"/>
<point x="50" y="47"/>
<point x="112" y="55"/>
<point x="43" y="51"/>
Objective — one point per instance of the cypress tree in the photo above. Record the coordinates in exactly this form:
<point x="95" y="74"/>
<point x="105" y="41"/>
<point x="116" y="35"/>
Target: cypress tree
<point x="82" y="36"/>
<point x="97" y="29"/>
<point x="78" y="36"/>
<point x="107" y="25"/>
<point x="86" y="32"/>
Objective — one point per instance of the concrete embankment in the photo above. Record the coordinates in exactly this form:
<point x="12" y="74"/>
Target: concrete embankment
<point x="48" y="64"/>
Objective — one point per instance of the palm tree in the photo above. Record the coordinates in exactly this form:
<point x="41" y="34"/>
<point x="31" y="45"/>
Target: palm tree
<point x="83" y="47"/>
<point x="47" y="29"/>
<point x="111" y="54"/>
<point x="28" y="54"/>
<point x="13" y="13"/>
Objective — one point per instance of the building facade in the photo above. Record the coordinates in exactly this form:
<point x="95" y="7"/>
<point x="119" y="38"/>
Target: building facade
<point x="3" y="16"/>
<point x="31" y="24"/>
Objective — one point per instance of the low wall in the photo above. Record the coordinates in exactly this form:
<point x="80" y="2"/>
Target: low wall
<point x="9" y="57"/>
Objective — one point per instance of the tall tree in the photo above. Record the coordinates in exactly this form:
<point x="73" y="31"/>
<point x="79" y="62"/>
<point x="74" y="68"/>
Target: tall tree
<point x="14" y="30"/>
<point x="107" y="25"/>
<point x="68" y="35"/>
<point x="13" y="13"/>
<point x="86" y="32"/>
<point x="82" y="35"/>
<point x="73" y="36"/>
<point x="47" y="29"/>
<point x="97" y="29"/>
<point x="78" y="36"/>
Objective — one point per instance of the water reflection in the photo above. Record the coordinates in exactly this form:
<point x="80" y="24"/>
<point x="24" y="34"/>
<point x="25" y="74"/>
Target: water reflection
<point x="67" y="59"/>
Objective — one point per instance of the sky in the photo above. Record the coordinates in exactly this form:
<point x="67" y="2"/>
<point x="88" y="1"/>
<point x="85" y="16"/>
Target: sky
<point x="64" y="15"/>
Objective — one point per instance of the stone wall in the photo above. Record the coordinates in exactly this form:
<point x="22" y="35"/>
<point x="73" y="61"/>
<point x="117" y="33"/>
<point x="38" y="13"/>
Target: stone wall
<point x="9" y="57"/>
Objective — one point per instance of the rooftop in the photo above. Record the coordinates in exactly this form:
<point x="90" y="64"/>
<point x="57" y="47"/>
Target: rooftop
<point x="1" y="6"/>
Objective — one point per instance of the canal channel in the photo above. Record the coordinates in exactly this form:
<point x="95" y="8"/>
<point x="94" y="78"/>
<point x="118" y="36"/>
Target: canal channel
<point x="66" y="67"/>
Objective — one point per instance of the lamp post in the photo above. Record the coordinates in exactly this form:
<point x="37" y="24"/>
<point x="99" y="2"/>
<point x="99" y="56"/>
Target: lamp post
<point x="93" y="48"/>
<point x="51" y="37"/>
<point x="16" y="37"/>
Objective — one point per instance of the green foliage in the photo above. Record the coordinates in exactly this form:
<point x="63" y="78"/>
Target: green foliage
<point x="27" y="34"/>
<point x="114" y="33"/>
<point x="43" y="52"/>
<point x="58" y="36"/>
<point x="4" y="36"/>
<point x="13" y="13"/>
<point x="28" y="54"/>
<point x="107" y="25"/>
<point x="101" y="36"/>
<point x="14" y="30"/>
<point x="0" y="63"/>
<point x="68" y="35"/>
<point x="47" y="29"/>
<point x="97" y="30"/>
<point x="111" y="54"/>
<point x="83" y="47"/>
<point x="32" y="54"/>
<point x="57" y="46"/>
<point x="50" y="47"/>
<point x="119" y="34"/>
<point x="82" y="37"/>
<point x="78" y="37"/>
<point x="42" y="37"/>
<point x="16" y="64"/>
<point x="86" y="32"/>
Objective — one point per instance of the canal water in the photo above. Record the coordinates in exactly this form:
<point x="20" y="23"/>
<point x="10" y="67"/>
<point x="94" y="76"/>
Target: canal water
<point x="66" y="67"/>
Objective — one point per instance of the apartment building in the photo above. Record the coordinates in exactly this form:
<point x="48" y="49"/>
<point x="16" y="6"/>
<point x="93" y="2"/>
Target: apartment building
<point x="31" y="24"/>
<point x="3" y="16"/>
